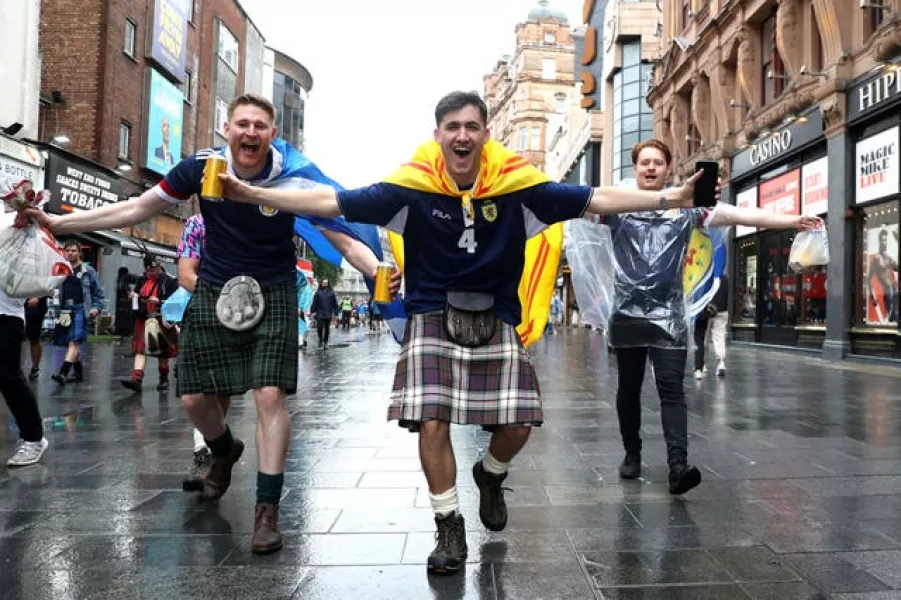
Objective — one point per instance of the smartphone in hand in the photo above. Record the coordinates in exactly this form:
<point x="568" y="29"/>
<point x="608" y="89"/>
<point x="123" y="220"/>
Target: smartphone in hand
<point x="705" y="188"/>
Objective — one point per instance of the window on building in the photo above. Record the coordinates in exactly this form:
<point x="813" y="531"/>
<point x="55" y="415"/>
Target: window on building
<point x="228" y="47"/>
<point x="535" y="140"/>
<point x="773" y="70"/>
<point x="187" y="87"/>
<point x="523" y="139"/>
<point x="549" y="68"/>
<point x="550" y="38"/>
<point x="221" y="116"/>
<point x="745" y="284"/>
<point x="124" y="139"/>
<point x="877" y="301"/>
<point x="694" y="143"/>
<point x="873" y="17"/>
<point x="129" y="46"/>
<point x="560" y="103"/>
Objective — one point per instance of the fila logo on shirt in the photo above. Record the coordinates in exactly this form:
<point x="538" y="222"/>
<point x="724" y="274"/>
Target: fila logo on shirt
<point x="441" y="215"/>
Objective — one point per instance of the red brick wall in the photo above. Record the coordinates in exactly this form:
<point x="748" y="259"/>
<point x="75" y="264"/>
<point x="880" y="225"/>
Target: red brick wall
<point x="70" y="57"/>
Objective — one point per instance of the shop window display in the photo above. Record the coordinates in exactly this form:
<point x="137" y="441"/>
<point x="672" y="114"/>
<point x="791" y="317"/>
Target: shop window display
<point x="878" y="252"/>
<point x="813" y="295"/>
<point x="781" y="286"/>
<point x="745" y="298"/>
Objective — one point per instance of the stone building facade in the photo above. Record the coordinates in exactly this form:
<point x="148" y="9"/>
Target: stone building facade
<point x="798" y="102"/>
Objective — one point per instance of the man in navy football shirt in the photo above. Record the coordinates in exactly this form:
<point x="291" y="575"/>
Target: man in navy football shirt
<point x="462" y="360"/>
<point x="220" y="355"/>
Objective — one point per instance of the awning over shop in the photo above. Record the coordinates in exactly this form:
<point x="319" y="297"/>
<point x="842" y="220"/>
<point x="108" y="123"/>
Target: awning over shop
<point x="128" y="244"/>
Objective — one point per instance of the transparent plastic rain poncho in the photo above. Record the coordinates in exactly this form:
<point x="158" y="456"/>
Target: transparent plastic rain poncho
<point x="629" y="273"/>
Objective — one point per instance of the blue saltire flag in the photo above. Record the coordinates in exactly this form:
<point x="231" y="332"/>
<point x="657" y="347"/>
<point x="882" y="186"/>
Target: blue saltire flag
<point x="291" y="168"/>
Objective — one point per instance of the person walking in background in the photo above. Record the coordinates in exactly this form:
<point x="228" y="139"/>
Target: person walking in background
<point x="323" y="309"/>
<point x="711" y="325"/>
<point x="80" y="296"/>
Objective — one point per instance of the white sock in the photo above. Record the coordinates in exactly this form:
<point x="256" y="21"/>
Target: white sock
<point x="493" y="465"/>
<point x="199" y="443"/>
<point x="445" y="503"/>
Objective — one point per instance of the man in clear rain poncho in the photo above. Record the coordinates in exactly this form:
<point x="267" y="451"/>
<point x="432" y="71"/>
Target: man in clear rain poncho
<point x="644" y="297"/>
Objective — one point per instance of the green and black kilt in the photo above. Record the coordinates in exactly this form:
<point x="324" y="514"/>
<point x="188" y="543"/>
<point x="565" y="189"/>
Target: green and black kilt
<point x="213" y="359"/>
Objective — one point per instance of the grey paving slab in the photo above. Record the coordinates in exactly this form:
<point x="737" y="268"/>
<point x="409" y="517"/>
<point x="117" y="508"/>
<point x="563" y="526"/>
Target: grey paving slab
<point x="801" y="495"/>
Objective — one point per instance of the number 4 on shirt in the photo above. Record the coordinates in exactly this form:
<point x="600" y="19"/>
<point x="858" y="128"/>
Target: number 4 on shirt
<point x="468" y="240"/>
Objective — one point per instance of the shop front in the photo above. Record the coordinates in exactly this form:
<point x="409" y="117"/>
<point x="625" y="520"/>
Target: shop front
<point x="20" y="161"/>
<point x="873" y="121"/>
<point x="784" y="172"/>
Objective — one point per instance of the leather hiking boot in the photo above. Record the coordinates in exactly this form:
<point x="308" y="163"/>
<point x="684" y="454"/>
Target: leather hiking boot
<point x="631" y="466"/>
<point x="266" y="537"/>
<point x="492" y="508"/>
<point x="682" y="478"/>
<point x="219" y="477"/>
<point x="450" y="551"/>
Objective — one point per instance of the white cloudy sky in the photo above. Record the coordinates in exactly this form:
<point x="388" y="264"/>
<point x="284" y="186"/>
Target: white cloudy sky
<point x="380" y="66"/>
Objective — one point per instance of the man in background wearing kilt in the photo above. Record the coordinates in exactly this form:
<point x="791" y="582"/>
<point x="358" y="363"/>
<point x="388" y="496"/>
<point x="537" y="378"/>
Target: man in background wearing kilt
<point x="239" y="330"/>
<point x="465" y="222"/>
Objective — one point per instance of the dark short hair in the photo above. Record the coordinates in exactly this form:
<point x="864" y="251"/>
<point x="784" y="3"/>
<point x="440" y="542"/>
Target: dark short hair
<point x="652" y="143"/>
<point x="72" y="242"/>
<point x="151" y="260"/>
<point x="456" y="101"/>
<point x="253" y="100"/>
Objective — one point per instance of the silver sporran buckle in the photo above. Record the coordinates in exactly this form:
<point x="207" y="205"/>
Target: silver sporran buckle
<point x="241" y="304"/>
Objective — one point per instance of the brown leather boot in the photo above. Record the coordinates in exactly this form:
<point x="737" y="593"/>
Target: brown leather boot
<point x="219" y="477"/>
<point x="266" y="537"/>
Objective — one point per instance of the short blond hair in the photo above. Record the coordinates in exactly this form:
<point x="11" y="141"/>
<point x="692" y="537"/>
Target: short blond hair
<point x="252" y="100"/>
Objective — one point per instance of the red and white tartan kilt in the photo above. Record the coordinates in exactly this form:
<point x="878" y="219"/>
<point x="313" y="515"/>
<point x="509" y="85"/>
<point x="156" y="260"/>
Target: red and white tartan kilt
<point x="490" y="385"/>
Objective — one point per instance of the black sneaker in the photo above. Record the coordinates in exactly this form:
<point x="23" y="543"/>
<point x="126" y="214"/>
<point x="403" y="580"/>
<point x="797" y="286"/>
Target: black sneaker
<point x="59" y="378"/>
<point x="492" y="508"/>
<point x="74" y="379"/>
<point x="163" y="385"/>
<point x="34" y="373"/>
<point x="134" y="385"/>
<point x="631" y="466"/>
<point x="682" y="478"/>
<point x="450" y="551"/>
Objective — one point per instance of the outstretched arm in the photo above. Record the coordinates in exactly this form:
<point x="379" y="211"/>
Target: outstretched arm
<point x="318" y="201"/>
<point x="354" y="251"/>
<point x="609" y="200"/>
<point x="726" y="214"/>
<point x="111" y="216"/>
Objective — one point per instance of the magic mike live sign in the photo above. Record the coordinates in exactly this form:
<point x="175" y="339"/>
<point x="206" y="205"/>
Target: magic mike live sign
<point x="770" y="148"/>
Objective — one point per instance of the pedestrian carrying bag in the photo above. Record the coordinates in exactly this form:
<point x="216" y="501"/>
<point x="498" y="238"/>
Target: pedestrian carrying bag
<point x="469" y="318"/>
<point x="810" y="249"/>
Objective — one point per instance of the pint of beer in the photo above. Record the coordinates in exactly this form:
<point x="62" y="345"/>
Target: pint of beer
<point x="382" y="280"/>
<point x="211" y="188"/>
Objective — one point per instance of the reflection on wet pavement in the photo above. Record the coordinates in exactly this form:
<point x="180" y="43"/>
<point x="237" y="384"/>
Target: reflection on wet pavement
<point x="801" y="496"/>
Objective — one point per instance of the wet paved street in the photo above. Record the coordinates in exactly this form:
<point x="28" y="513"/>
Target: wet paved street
<point x="801" y="496"/>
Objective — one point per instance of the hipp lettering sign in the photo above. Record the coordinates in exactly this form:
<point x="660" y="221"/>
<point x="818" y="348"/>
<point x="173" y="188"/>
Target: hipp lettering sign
<point x="169" y="45"/>
<point x="877" y="173"/>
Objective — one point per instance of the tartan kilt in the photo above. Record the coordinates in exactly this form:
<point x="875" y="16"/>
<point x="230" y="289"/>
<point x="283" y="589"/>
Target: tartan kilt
<point x="75" y="333"/>
<point x="490" y="385"/>
<point x="213" y="359"/>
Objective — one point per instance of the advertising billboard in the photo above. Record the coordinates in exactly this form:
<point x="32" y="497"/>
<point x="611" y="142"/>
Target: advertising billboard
<point x="164" y="124"/>
<point x="169" y="41"/>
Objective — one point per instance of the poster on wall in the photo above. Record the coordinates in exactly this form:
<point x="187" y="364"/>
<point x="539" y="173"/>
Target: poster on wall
<point x="749" y="311"/>
<point x="880" y="270"/>
<point x="746" y="199"/>
<point x="815" y="187"/>
<point x="169" y="44"/>
<point x="164" y="124"/>
<point x="877" y="173"/>
<point x="782" y="195"/>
